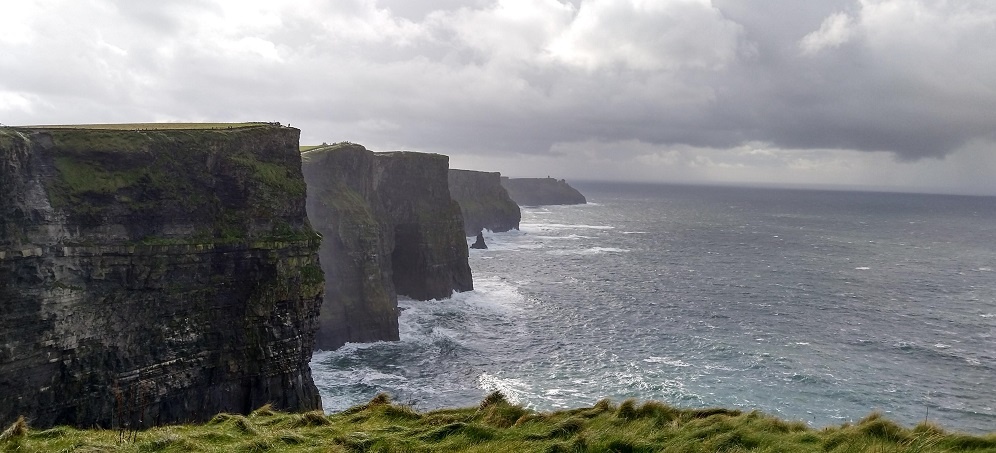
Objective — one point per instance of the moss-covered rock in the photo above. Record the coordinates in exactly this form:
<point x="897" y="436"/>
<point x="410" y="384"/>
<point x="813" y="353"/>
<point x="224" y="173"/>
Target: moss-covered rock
<point x="154" y="275"/>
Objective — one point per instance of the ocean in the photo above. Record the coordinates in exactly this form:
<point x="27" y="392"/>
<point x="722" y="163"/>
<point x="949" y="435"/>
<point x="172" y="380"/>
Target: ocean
<point x="818" y="306"/>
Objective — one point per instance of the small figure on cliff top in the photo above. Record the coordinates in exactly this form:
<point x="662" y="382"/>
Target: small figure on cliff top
<point x="479" y="243"/>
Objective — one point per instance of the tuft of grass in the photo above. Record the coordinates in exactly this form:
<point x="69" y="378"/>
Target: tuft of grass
<point x="627" y="410"/>
<point x="17" y="430"/>
<point x="382" y="399"/>
<point x="265" y="410"/>
<point x="493" y="398"/>
<point x="313" y="418"/>
<point x="243" y="425"/>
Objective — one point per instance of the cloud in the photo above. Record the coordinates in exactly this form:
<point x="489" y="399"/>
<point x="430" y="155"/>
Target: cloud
<point x="911" y="79"/>
<point x="647" y="36"/>
<point x="835" y="31"/>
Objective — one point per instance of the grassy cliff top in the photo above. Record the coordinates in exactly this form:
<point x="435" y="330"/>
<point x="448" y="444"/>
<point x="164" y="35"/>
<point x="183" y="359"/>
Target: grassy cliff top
<point x="342" y="145"/>
<point x="149" y="126"/>
<point x="497" y="426"/>
<point x="329" y="147"/>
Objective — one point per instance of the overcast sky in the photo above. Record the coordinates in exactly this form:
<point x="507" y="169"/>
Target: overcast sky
<point x="898" y="94"/>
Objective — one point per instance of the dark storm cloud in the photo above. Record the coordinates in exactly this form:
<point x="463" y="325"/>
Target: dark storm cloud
<point x="864" y="94"/>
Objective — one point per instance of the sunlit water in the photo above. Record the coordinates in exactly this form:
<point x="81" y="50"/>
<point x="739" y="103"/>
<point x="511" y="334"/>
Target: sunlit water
<point x="813" y="306"/>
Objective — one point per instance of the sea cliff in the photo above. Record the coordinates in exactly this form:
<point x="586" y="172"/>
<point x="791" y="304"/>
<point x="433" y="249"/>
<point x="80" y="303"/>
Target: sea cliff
<point x="390" y="228"/>
<point x="154" y="275"/>
<point x="541" y="191"/>
<point x="484" y="203"/>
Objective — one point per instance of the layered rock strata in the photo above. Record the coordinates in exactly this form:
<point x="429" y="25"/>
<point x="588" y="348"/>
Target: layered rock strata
<point x="541" y="191"/>
<point x="153" y="276"/>
<point x="389" y="228"/>
<point x="484" y="203"/>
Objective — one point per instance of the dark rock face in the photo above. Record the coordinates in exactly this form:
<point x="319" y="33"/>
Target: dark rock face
<point x="484" y="203"/>
<point x="541" y="191"/>
<point x="479" y="242"/>
<point x="389" y="228"/>
<point x="151" y="277"/>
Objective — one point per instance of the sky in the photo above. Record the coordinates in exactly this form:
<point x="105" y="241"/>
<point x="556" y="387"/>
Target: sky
<point x="883" y="94"/>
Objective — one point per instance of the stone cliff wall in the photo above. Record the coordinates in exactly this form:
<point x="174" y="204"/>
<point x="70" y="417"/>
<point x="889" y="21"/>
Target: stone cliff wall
<point x="541" y="191"/>
<point x="154" y="276"/>
<point x="484" y="203"/>
<point x="389" y="228"/>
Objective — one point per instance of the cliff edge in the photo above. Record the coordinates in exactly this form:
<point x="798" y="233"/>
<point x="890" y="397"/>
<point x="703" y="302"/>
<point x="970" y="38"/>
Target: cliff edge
<point x="152" y="276"/>
<point x="390" y="228"/>
<point x="541" y="191"/>
<point x="484" y="203"/>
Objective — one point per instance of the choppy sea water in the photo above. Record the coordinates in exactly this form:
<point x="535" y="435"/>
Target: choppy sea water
<point x="809" y="305"/>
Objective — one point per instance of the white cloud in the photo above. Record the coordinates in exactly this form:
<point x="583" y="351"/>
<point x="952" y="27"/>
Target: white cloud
<point x="508" y="30"/>
<point x="835" y="31"/>
<point x="648" y="35"/>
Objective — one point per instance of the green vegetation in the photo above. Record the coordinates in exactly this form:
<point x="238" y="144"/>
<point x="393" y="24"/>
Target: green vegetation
<point x="7" y="137"/>
<point x="326" y="146"/>
<point x="147" y="126"/>
<point x="170" y="169"/>
<point x="497" y="426"/>
<point x="275" y="175"/>
<point x="81" y="176"/>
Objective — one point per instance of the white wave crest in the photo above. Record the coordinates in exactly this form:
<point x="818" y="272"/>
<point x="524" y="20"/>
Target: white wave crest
<point x="535" y="227"/>
<point x="666" y="361"/>
<point x="514" y="390"/>
<point x="588" y="251"/>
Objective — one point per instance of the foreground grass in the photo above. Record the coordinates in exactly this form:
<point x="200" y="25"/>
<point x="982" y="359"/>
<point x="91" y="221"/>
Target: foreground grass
<point x="497" y="426"/>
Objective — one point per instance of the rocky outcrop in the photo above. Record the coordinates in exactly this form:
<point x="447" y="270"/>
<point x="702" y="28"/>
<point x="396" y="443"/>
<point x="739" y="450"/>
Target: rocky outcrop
<point x="389" y="228"/>
<point x="479" y="242"/>
<point x="541" y="191"/>
<point x="484" y="203"/>
<point x="154" y="276"/>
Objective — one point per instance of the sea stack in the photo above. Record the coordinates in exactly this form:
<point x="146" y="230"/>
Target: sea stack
<point x="479" y="243"/>
<point x="154" y="274"/>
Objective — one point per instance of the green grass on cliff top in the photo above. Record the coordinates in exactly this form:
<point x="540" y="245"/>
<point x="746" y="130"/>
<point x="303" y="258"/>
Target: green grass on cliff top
<point x="497" y="426"/>
<point x="326" y="146"/>
<point x="147" y="126"/>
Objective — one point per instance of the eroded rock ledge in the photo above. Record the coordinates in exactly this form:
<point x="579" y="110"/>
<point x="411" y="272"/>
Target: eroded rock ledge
<point x="154" y="276"/>
<point x="390" y="228"/>
<point x="484" y="203"/>
<point x="541" y="191"/>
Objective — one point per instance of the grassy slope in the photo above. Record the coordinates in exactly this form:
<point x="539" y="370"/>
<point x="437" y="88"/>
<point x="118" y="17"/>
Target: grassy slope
<point x="496" y="426"/>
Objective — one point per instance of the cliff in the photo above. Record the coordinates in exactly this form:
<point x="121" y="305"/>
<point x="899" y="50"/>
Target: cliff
<point x="154" y="275"/>
<point x="389" y="228"/>
<point x="541" y="191"/>
<point x="484" y="203"/>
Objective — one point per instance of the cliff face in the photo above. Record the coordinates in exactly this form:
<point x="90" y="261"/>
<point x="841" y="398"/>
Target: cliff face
<point x="389" y="227"/>
<point x="541" y="191"/>
<point x="484" y="203"/>
<point x="154" y="276"/>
